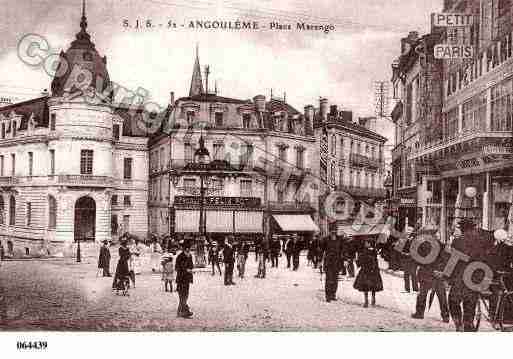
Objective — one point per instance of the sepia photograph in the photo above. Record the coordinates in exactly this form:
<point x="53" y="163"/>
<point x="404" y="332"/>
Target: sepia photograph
<point x="253" y="166"/>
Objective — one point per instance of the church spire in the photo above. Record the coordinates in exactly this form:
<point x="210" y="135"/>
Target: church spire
<point x="197" y="80"/>
<point x="83" y="21"/>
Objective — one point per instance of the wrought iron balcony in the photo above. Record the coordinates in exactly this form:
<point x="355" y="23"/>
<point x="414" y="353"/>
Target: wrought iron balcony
<point x="291" y="206"/>
<point x="84" y="180"/>
<point x="8" y="181"/>
<point x="358" y="160"/>
<point x="363" y="192"/>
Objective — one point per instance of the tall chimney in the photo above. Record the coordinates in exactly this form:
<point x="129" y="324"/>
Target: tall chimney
<point x="309" y="112"/>
<point x="323" y="107"/>
<point x="172" y="98"/>
<point x="259" y="101"/>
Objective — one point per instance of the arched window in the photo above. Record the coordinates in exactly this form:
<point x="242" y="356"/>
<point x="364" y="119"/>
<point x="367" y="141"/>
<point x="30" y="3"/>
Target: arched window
<point x="12" y="211"/>
<point x="2" y="210"/>
<point x="52" y="212"/>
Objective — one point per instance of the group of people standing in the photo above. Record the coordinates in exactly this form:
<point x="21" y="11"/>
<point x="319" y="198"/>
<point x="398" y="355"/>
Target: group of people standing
<point x="337" y="252"/>
<point x="456" y="298"/>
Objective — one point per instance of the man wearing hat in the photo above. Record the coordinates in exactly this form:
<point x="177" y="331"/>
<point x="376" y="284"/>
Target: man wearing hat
<point x="473" y="244"/>
<point x="229" y="262"/>
<point x="104" y="259"/>
<point x="184" y="279"/>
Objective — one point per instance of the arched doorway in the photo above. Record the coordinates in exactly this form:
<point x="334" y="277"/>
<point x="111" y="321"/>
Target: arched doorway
<point x="85" y="219"/>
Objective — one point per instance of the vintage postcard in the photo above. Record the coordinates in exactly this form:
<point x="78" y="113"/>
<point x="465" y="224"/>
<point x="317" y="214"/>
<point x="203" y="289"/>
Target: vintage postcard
<point x="242" y="166"/>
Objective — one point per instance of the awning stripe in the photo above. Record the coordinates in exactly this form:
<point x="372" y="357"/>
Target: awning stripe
<point x="248" y="222"/>
<point x="219" y="221"/>
<point x="187" y="221"/>
<point x="296" y="223"/>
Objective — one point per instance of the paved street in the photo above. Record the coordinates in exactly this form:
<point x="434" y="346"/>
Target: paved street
<point x="62" y="295"/>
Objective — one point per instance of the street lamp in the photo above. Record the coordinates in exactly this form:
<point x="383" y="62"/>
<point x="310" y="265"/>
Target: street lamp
<point x="202" y="158"/>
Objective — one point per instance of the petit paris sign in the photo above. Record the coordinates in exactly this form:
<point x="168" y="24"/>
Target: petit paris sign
<point x="452" y="20"/>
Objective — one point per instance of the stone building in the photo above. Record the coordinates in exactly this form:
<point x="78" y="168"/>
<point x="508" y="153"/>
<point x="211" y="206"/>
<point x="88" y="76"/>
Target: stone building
<point x="71" y="169"/>
<point x="417" y="84"/>
<point x="260" y="153"/>
<point x="470" y="153"/>
<point x="350" y="158"/>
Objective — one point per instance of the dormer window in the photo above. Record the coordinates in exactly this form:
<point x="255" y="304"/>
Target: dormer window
<point x="246" y="120"/>
<point x="190" y="117"/>
<point x="87" y="56"/>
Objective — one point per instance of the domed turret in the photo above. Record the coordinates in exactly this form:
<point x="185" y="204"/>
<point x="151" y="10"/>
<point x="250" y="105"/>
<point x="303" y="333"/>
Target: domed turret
<point x="82" y="55"/>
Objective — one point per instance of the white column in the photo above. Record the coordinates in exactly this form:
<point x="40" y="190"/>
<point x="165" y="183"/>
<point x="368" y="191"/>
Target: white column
<point x="443" y="215"/>
<point x="460" y="119"/>
<point x="488" y="120"/>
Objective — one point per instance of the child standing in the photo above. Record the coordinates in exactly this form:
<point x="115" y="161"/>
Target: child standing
<point x="369" y="277"/>
<point x="168" y="271"/>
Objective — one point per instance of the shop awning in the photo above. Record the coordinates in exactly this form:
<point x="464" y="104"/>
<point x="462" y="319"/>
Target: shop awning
<point x="187" y="221"/>
<point x="296" y="223"/>
<point x="219" y="221"/>
<point x="360" y="230"/>
<point x="248" y="222"/>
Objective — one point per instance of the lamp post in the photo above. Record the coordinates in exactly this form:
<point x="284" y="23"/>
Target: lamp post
<point x="202" y="157"/>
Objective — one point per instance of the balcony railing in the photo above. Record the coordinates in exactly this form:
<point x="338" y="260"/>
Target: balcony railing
<point x="8" y="181"/>
<point x="290" y="206"/>
<point x="84" y="180"/>
<point x="363" y="192"/>
<point x="358" y="160"/>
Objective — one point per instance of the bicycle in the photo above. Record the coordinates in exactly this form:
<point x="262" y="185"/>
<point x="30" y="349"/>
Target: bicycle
<point x="502" y="318"/>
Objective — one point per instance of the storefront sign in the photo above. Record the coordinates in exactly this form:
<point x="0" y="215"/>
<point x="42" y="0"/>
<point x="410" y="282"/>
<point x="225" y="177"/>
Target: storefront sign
<point x="443" y="51"/>
<point x="451" y="19"/>
<point x="241" y="202"/>
<point x="408" y="202"/>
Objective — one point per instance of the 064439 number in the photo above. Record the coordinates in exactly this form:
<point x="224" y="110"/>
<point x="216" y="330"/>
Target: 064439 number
<point x="32" y="345"/>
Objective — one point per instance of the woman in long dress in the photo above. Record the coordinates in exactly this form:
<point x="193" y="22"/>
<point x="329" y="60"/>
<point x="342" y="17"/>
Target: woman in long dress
<point x="369" y="277"/>
<point x="122" y="270"/>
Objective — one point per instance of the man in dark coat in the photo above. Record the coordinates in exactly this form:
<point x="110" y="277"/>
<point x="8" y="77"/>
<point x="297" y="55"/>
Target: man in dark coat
<point x="275" y="252"/>
<point x="474" y="244"/>
<point x="409" y="265"/>
<point x="184" y="279"/>
<point x="429" y="279"/>
<point x="296" y="251"/>
<point x="289" y="248"/>
<point x="229" y="262"/>
<point x="332" y="249"/>
<point x="104" y="259"/>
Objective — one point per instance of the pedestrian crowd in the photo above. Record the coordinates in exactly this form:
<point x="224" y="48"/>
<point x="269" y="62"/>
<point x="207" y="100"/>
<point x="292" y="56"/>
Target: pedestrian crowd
<point x="334" y="257"/>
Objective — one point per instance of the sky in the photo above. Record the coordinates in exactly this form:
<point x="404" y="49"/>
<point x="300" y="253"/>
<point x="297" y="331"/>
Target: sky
<point x="341" y="65"/>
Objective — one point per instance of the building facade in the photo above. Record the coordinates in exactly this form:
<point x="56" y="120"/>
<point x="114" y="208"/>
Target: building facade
<point x="469" y="148"/>
<point x="70" y="170"/>
<point x="350" y="159"/>
<point x="260" y="153"/>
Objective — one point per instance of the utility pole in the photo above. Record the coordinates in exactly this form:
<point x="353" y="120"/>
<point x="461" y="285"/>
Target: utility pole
<point x="381" y="98"/>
